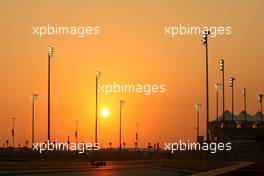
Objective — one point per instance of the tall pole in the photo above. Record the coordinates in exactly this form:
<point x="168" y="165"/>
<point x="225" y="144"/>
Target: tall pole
<point x="261" y="111"/>
<point x="198" y="108"/>
<point x="76" y="131"/>
<point x="245" y="103"/>
<point x="205" y="42"/>
<point x="120" y="129"/>
<point x="98" y="74"/>
<point x="50" y="52"/>
<point x="217" y="106"/>
<point x="232" y="103"/>
<point x="207" y="96"/>
<point x="13" y="131"/>
<point x="260" y="98"/>
<point x="222" y="69"/>
<point x="49" y="99"/>
<point x="121" y="104"/>
<point x="137" y="135"/>
<point x="217" y="89"/>
<point x="198" y="125"/>
<point x="223" y="94"/>
<point x="231" y="81"/>
<point x="33" y="121"/>
<point x="96" y="102"/>
<point x="34" y="98"/>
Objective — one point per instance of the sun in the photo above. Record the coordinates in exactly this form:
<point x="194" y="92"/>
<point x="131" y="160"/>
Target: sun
<point x="104" y="112"/>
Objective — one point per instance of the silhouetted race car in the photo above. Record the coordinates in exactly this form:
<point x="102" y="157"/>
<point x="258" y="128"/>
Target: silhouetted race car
<point x="97" y="162"/>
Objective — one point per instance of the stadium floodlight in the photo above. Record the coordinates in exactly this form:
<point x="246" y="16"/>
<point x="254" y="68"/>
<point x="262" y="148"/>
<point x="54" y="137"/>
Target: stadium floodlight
<point x="221" y="65"/>
<point x="218" y="87"/>
<point x="260" y="98"/>
<point x="198" y="107"/>
<point x="204" y="40"/>
<point x="98" y="76"/>
<point x="222" y="69"/>
<point x="76" y="131"/>
<point x="231" y="84"/>
<point x="121" y="105"/>
<point x="13" y="131"/>
<point x="34" y="97"/>
<point x="50" y="54"/>
<point x="231" y="81"/>
<point x="50" y="51"/>
<point x="244" y="93"/>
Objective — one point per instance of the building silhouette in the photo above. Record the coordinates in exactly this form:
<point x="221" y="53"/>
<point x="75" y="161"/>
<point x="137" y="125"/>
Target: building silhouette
<point x="240" y="129"/>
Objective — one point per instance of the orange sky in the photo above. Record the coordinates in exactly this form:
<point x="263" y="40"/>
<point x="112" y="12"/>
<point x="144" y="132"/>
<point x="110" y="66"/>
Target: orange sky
<point x="132" y="48"/>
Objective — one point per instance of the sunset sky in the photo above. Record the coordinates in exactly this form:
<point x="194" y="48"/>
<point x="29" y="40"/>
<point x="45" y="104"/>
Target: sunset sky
<point x="131" y="48"/>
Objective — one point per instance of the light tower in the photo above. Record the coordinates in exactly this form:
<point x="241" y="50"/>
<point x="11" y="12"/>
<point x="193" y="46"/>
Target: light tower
<point x="76" y="131"/>
<point x="50" y="54"/>
<point x="205" y="34"/>
<point x="33" y="98"/>
<point x="98" y="75"/>
<point x="222" y="69"/>
<point x="244" y="93"/>
<point x="260" y="98"/>
<point x="198" y="107"/>
<point x="231" y="84"/>
<point x="13" y="131"/>
<point x="137" y="135"/>
<point x="121" y="105"/>
<point x="217" y="89"/>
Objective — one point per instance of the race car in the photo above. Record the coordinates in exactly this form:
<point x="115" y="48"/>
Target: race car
<point x="98" y="162"/>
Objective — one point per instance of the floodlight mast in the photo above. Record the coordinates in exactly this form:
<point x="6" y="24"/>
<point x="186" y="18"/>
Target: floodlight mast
<point x="204" y="40"/>
<point x="244" y="93"/>
<point x="50" y="54"/>
<point x="98" y="76"/>
<point x="13" y="131"/>
<point x="198" y="107"/>
<point x="33" y="98"/>
<point x="121" y="105"/>
<point x="222" y="69"/>
<point x="231" y="84"/>
<point x="218" y="87"/>
<point x="260" y="98"/>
